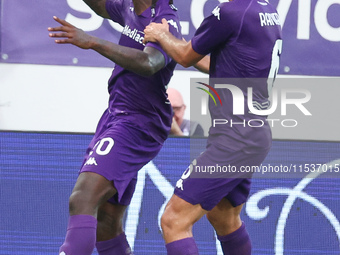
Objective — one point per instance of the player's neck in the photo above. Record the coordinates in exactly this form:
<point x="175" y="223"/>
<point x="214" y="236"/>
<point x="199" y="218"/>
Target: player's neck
<point x="141" y="5"/>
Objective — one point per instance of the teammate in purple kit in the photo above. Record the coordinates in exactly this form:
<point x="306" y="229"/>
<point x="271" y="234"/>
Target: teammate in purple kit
<point x="243" y="38"/>
<point x="131" y="131"/>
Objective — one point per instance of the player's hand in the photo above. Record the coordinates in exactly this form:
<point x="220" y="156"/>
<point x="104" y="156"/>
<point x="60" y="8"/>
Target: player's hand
<point x="154" y="30"/>
<point x="70" y="34"/>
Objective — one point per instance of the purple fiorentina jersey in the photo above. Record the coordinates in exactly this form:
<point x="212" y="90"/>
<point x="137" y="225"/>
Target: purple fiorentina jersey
<point x="244" y="40"/>
<point x="142" y="100"/>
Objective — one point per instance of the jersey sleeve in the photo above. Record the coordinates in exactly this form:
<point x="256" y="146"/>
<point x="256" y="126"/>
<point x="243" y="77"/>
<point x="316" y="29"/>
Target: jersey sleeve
<point x="215" y="29"/>
<point x="174" y="28"/>
<point x="115" y="8"/>
<point x="159" y="48"/>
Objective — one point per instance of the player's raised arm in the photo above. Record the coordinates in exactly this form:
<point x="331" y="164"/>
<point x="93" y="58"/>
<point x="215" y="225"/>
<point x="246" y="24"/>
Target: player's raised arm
<point x="179" y="50"/>
<point x="98" y="6"/>
<point x="144" y="63"/>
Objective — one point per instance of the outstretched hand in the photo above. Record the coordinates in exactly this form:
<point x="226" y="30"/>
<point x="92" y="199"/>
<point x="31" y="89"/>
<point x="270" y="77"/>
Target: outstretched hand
<point x="70" y="34"/>
<point x="154" y="30"/>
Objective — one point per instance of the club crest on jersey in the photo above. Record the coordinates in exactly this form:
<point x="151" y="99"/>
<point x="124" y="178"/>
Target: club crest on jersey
<point x="216" y="12"/>
<point x="134" y="34"/>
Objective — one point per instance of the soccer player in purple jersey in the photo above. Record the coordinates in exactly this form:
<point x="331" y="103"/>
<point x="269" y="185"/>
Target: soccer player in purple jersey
<point x="131" y="131"/>
<point x="243" y="38"/>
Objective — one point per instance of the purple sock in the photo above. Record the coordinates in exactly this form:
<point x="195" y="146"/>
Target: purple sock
<point x="236" y="243"/>
<point x="186" y="246"/>
<point x="115" y="246"/>
<point x="80" y="236"/>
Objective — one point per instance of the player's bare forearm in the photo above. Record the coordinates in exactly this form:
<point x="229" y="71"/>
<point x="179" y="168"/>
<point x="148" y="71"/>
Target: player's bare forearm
<point x="144" y="63"/>
<point x="203" y="65"/>
<point x="179" y="50"/>
<point x="98" y="6"/>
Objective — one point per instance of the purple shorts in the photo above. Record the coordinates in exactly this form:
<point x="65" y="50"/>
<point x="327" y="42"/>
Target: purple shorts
<point x="197" y="186"/>
<point x="118" y="150"/>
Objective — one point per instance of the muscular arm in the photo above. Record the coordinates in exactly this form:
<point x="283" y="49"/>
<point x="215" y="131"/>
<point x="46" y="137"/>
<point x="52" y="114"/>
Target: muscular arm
<point x="179" y="50"/>
<point x="203" y="65"/>
<point x="98" y="6"/>
<point x="144" y="63"/>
